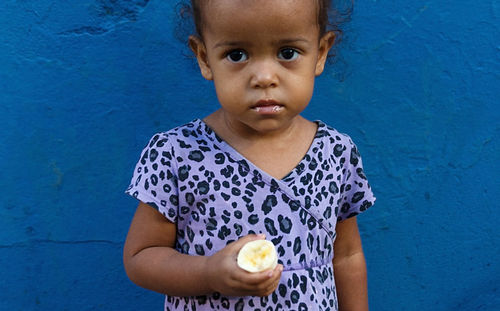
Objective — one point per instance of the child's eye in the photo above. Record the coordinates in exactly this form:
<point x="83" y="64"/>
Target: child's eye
<point x="288" y="54"/>
<point x="237" y="56"/>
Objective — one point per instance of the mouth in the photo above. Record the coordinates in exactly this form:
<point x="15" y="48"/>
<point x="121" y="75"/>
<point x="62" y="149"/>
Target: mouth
<point x="267" y="106"/>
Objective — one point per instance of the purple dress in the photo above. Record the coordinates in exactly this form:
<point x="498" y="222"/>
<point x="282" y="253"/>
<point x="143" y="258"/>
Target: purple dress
<point x="216" y="196"/>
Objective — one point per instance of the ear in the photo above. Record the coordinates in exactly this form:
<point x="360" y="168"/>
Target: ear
<point x="199" y="50"/>
<point x="325" y="44"/>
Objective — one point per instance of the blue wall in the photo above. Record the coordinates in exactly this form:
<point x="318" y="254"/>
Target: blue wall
<point x="83" y="85"/>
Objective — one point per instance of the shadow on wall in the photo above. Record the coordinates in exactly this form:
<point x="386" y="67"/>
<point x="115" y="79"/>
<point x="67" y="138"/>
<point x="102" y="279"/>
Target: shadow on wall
<point x="107" y="14"/>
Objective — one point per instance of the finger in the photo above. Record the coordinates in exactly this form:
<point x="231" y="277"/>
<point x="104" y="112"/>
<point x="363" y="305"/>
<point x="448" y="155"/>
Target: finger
<point x="271" y="289"/>
<point x="271" y="285"/>
<point x="267" y="288"/>
<point x="258" y="278"/>
<point x="255" y="285"/>
<point x="264" y="288"/>
<point x="274" y="279"/>
<point x="247" y="290"/>
<point x="277" y="278"/>
<point x="253" y="278"/>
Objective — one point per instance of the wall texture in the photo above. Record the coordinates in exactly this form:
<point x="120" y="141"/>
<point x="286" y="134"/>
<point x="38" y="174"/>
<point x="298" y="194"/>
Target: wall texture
<point x="83" y="85"/>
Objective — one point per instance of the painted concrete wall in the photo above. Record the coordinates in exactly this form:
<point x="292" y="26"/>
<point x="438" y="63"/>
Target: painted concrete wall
<point x="83" y="85"/>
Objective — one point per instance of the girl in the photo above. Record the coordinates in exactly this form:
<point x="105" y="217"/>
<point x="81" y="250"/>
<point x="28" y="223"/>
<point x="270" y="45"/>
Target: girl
<point x="253" y="169"/>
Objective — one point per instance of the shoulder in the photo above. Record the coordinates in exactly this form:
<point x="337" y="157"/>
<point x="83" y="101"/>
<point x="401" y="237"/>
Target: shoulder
<point x="178" y="136"/>
<point x="163" y="146"/>
<point x="333" y="137"/>
<point x="338" y="147"/>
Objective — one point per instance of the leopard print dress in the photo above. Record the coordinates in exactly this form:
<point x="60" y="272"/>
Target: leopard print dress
<point x="215" y="196"/>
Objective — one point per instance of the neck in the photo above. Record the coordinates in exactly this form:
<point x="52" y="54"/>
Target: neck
<point x="247" y="133"/>
<point x="243" y="138"/>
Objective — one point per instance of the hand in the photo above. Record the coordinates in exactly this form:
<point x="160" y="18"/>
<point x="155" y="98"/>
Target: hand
<point x="227" y="278"/>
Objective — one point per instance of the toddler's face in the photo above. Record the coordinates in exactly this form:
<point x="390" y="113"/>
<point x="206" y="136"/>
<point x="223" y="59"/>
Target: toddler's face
<point x="263" y="56"/>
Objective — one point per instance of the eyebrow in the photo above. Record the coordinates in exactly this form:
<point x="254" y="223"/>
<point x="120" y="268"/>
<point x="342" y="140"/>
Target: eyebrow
<point x="229" y="43"/>
<point x="293" y="40"/>
<point x="278" y="42"/>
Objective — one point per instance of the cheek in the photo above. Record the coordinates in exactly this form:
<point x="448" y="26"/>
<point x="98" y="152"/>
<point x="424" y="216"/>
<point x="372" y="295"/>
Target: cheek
<point x="304" y="83"/>
<point x="224" y="87"/>
<point x="227" y="91"/>
<point x="304" y="90"/>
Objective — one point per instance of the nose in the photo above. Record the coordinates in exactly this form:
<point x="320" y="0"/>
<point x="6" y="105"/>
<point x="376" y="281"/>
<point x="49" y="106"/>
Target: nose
<point x="264" y="75"/>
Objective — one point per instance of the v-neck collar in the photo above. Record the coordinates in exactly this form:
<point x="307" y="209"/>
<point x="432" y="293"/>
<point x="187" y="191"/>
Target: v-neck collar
<point x="237" y="156"/>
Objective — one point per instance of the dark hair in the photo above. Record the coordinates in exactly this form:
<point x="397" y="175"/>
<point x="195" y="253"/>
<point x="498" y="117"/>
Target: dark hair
<point x="332" y="16"/>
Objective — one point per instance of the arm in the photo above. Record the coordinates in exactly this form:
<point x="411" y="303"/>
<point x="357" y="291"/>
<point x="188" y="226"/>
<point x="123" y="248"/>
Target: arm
<point x="151" y="262"/>
<point x="350" y="267"/>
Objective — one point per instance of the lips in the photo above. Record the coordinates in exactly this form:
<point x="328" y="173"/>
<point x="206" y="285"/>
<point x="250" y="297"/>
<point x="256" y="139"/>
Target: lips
<point x="267" y="106"/>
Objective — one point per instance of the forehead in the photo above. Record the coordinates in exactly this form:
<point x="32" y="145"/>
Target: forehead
<point x="233" y="17"/>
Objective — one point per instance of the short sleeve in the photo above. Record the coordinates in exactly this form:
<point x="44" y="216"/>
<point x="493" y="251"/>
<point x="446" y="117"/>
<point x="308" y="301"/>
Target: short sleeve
<point x="356" y="193"/>
<point x="154" y="180"/>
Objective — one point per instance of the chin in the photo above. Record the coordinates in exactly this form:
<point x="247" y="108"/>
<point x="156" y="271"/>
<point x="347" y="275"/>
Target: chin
<point x="270" y="125"/>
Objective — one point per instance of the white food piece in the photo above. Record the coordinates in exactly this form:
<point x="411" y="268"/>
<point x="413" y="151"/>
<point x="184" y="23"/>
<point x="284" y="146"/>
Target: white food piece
<point x="257" y="256"/>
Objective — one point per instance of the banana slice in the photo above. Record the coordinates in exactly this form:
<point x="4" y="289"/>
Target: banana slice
<point x="257" y="256"/>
